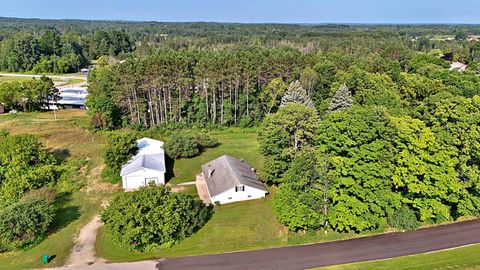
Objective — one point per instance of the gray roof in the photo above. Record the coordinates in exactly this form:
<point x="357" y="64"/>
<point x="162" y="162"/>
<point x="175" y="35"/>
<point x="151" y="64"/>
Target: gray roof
<point x="228" y="172"/>
<point x="140" y="161"/>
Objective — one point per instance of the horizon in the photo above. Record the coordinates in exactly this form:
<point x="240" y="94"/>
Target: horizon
<point x="427" y="12"/>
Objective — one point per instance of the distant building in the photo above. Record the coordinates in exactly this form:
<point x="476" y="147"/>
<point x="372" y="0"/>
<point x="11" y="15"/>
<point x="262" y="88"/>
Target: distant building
<point x="457" y="66"/>
<point x="2" y="109"/>
<point x="229" y="179"/>
<point x="147" y="166"/>
<point x="69" y="98"/>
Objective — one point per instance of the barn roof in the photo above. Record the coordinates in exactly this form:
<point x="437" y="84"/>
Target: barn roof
<point x="228" y="172"/>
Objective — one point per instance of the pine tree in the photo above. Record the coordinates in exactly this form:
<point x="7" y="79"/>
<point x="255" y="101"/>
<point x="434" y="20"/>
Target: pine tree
<point x="296" y="94"/>
<point x="341" y="100"/>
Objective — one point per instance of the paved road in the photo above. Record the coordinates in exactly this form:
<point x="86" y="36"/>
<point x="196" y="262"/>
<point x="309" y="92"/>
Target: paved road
<point x="323" y="254"/>
<point x="340" y="252"/>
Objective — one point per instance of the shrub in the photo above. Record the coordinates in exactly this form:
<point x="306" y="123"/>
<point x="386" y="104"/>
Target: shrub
<point x="153" y="217"/>
<point x="24" y="223"/>
<point x="206" y="141"/>
<point x="404" y="219"/>
<point x="182" y="146"/>
<point x="45" y="194"/>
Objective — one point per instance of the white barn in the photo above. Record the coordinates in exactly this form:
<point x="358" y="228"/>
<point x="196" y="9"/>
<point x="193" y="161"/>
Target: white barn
<point x="147" y="166"/>
<point x="229" y="179"/>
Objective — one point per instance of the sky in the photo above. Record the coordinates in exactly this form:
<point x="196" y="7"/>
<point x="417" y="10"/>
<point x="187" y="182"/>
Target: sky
<point x="250" y="11"/>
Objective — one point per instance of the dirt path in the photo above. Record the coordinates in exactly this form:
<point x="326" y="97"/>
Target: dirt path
<point x="83" y="252"/>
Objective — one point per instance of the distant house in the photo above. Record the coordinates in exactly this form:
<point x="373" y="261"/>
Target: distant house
<point x="229" y="179"/>
<point x="69" y="98"/>
<point x="2" y="109"/>
<point x="473" y="38"/>
<point x="147" y="166"/>
<point x="457" y="66"/>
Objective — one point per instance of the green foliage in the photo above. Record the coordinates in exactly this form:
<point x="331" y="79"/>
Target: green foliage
<point x="119" y="149"/>
<point x="182" y="146"/>
<point x="341" y="100"/>
<point x="356" y="142"/>
<point x="283" y="134"/>
<point x="153" y="217"/>
<point x="205" y="141"/>
<point x="296" y="94"/>
<point x="404" y="219"/>
<point x="24" y="223"/>
<point x="300" y="203"/>
<point x="26" y="95"/>
<point x="45" y="194"/>
<point x="24" y="166"/>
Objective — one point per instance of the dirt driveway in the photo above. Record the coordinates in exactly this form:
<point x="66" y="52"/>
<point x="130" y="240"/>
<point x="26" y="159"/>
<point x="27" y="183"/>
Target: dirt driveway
<point x="202" y="188"/>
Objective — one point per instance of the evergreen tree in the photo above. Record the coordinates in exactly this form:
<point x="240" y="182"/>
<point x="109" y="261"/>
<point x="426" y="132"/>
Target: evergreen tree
<point x="341" y="100"/>
<point x="296" y="94"/>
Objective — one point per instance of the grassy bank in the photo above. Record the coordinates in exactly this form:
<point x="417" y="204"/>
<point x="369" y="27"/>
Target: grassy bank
<point x="459" y="258"/>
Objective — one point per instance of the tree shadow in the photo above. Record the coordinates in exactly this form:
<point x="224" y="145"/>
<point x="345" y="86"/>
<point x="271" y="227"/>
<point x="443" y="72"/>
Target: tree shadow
<point x="65" y="213"/>
<point x="169" y="164"/>
<point x="51" y="258"/>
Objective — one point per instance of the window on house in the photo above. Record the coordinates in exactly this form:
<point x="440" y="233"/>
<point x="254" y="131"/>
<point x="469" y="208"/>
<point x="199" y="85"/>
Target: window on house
<point x="229" y="198"/>
<point x="249" y="196"/>
<point x="239" y="188"/>
<point x="151" y="180"/>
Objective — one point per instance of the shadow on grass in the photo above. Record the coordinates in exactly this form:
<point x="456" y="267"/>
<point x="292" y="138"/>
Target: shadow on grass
<point x="169" y="164"/>
<point x="66" y="213"/>
<point x="61" y="154"/>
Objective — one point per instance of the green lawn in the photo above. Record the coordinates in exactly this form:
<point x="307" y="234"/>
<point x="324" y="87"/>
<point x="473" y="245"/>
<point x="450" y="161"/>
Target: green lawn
<point x="237" y="144"/>
<point x="61" y="82"/>
<point x="459" y="258"/>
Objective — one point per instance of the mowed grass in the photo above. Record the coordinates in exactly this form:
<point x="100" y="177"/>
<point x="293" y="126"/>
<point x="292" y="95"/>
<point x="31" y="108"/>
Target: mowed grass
<point x="234" y="143"/>
<point x="460" y="258"/>
<point x="60" y="82"/>
<point x="71" y="142"/>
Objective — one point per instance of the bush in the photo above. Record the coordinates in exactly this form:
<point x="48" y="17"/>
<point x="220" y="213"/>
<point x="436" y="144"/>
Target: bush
<point x="153" y="217"/>
<point x="404" y="219"/>
<point x="206" y="141"/>
<point x="182" y="146"/>
<point x="45" y="194"/>
<point x="24" y="223"/>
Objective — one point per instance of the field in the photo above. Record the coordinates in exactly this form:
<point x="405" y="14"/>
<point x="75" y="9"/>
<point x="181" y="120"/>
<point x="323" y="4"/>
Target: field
<point x="459" y="258"/>
<point x="58" y="81"/>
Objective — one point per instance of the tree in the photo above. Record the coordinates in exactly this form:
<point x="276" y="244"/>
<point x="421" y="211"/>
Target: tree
<point x="296" y="94"/>
<point x="24" y="223"/>
<point x="283" y="134"/>
<point x="119" y="149"/>
<point x="153" y="217"/>
<point x="356" y="142"/>
<point x="341" y="100"/>
<point x="424" y="171"/>
<point x="182" y="146"/>
<point x="299" y="203"/>
<point x="19" y="53"/>
<point x="272" y="95"/>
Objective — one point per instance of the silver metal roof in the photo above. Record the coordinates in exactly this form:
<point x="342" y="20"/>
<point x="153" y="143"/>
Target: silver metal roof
<point x="140" y="161"/>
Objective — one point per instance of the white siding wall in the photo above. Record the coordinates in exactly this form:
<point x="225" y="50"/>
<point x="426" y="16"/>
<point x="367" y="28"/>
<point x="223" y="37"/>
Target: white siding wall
<point x="232" y="196"/>
<point x="136" y="179"/>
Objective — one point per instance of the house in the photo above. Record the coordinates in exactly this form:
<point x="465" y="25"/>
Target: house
<point x="147" y="166"/>
<point x="68" y="98"/>
<point x="229" y="179"/>
<point x="457" y="66"/>
<point x="2" y="109"/>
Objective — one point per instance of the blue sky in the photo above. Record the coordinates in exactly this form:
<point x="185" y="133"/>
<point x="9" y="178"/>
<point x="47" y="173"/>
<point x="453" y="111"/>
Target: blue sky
<point x="301" y="11"/>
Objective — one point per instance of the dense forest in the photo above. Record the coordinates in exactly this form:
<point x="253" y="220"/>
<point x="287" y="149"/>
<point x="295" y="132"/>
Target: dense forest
<point x="361" y="126"/>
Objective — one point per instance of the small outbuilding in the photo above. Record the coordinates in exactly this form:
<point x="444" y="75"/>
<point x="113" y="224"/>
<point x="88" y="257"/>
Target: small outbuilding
<point x="147" y="166"/>
<point x="229" y="179"/>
